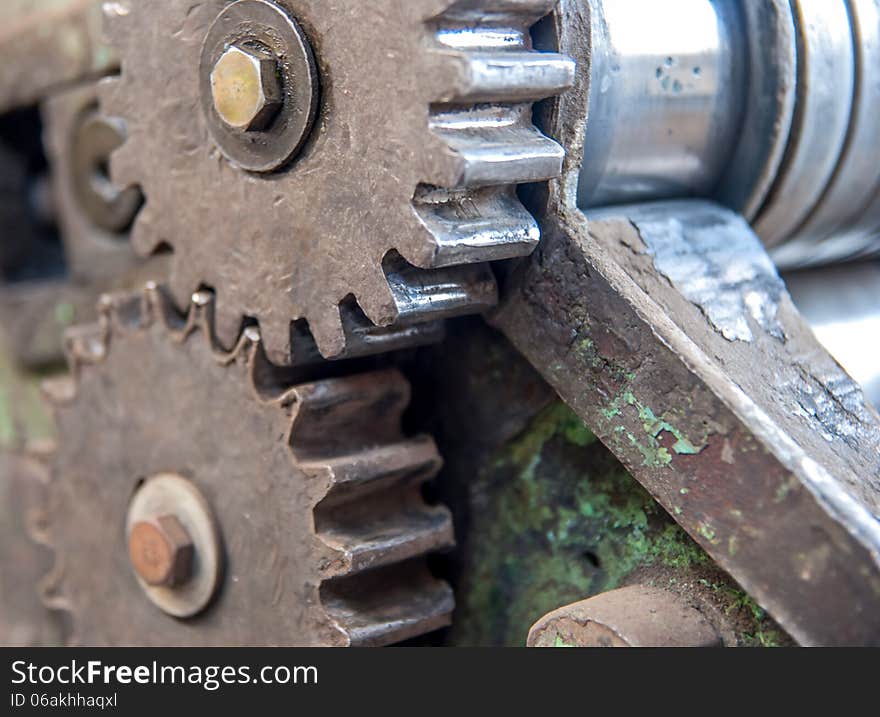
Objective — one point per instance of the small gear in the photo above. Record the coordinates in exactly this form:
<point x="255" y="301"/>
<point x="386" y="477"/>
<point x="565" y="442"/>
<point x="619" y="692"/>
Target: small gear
<point x="256" y="507"/>
<point x="306" y="156"/>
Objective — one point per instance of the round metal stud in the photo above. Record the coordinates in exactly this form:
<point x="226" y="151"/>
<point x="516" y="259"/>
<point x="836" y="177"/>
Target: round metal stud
<point x="174" y="544"/>
<point x="264" y="51"/>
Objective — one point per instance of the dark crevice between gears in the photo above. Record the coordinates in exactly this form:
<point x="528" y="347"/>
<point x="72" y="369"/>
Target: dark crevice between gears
<point x="30" y="248"/>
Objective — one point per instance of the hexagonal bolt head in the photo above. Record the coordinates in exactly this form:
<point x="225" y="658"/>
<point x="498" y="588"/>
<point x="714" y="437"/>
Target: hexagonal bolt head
<point x="161" y="551"/>
<point x="245" y="88"/>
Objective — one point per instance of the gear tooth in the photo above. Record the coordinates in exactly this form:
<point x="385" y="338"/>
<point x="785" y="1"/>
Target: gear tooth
<point x="422" y="295"/>
<point x="144" y="238"/>
<point x="85" y="345"/>
<point x="496" y="145"/>
<point x="181" y="285"/>
<point x="123" y="311"/>
<point x="107" y="89"/>
<point x="328" y="332"/>
<point x="488" y="224"/>
<point x="124" y="165"/>
<point x="357" y="411"/>
<point x="116" y="18"/>
<point x="58" y="391"/>
<point x="360" y="474"/>
<point x="379" y="303"/>
<point x="277" y="339"/>
<point x="383" y="532"/>
<point x="505" y="76"/>
<point x="200" y="317"/>
<point x="388" y="605"/>
<point x="524" y="12"/>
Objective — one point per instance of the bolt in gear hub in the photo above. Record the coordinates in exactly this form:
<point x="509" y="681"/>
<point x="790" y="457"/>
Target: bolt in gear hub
<point x="258" y="84"/>
<point x="323" y="525"/>
<point x="424" y="133"/>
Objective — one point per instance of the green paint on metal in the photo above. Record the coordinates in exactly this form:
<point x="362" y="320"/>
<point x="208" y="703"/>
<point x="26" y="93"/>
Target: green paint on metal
<point x="559" y="642"/>
<point x="654" y="454"/>
<point x="556" y="519"/>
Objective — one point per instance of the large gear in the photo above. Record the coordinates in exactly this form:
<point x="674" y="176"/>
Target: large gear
<point x="317" y="513"/>
<point x="423" y="130"/>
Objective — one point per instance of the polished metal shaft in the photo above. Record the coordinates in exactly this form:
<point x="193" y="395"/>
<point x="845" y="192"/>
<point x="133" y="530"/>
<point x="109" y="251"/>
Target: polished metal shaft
<point x="769" y="106"/>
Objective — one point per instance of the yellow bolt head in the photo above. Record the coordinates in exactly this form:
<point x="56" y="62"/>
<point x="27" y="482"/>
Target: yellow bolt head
<point x="245" y="89"/>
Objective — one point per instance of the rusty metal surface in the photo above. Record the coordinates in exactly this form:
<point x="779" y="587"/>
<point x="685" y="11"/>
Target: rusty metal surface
<point x="414" y="98"/>
<point x="47" y="44"/>
<point x="763" y="450"/>
<point x="315" y="489"/>
<point x="635" y="616"/>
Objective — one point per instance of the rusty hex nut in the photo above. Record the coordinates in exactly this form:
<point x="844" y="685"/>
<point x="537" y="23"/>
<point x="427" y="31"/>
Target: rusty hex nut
<point x="245" y="89"/>
<point x="161" y="551"/>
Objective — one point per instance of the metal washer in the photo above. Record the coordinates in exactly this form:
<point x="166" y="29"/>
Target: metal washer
<point x="166" y="494"/>
<point x="266" y="26"/>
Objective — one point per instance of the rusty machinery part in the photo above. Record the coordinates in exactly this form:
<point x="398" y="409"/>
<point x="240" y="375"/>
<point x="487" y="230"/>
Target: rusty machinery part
<point x="634" y="616"/>
<point x="667" y="329"/>
<point x="92" y="214"/>
<point x="770" y="107"/>
<point x="317" y="516"/>
<point x="393" y="202"/>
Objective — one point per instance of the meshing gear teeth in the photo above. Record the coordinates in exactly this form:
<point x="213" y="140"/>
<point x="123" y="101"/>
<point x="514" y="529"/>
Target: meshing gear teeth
<point x="422" y="132"/>
<point x="318" y="508"/>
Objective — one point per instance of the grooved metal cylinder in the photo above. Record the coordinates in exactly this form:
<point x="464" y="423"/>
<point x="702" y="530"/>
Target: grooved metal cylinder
<point x="769" y="107"/>
<point x="666" y="96"/>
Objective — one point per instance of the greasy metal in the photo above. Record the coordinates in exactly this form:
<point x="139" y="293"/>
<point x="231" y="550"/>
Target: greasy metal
<point x="259" y="85"/>
<point x="681" y="69"/>
<point x="424" y="132"/>
<point x="842" y="305"/>
<point x="324" y="526"/>
<point x="92" y="215"/>
<point x="48" y="44"/>
<point x="826" y="78"/>
<point x="764" y="451"/>
<point x="169" y="514"/>
<point x="634" y="616"/>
